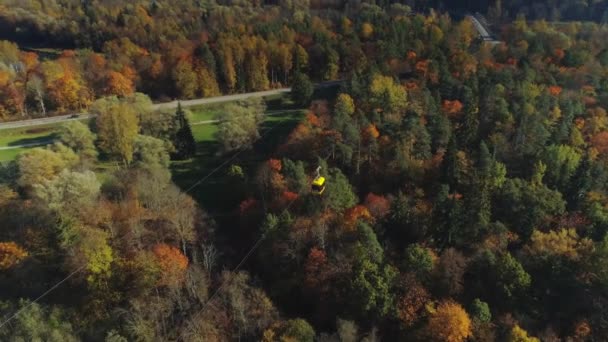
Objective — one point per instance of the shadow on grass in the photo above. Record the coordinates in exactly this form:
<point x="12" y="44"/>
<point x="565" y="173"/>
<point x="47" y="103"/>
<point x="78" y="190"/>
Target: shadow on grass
<point x="47" y="139"/>
<point x="326" y="93"/>
<point x="213" y="193"/>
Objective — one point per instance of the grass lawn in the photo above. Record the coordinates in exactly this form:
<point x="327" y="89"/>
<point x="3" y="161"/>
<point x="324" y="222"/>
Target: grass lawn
<point x="203" y="113"/>
<point x="204" y="132"/>
<point x="8" y="155"/>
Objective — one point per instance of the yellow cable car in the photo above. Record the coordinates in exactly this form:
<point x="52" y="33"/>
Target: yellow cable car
<point x="318" y="184"/>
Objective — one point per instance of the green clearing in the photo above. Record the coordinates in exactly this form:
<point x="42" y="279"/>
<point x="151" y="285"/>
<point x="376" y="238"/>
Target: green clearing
<point x="24" y="135"/>
<point x="204" y="133"/>
<point x="215" y="193"/>
<point x="46" y="133"/>
<point x="8" y="155"/>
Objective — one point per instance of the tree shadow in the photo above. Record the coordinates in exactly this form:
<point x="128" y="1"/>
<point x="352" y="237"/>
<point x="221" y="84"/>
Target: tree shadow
<point x="213" y="191"/>
<point x="47" y="139"/>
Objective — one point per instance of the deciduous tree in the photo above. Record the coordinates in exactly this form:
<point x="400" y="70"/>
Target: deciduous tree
<point x="117" y="126"/>
<point x="449" y="323"/>
<point x="11" y="254"/>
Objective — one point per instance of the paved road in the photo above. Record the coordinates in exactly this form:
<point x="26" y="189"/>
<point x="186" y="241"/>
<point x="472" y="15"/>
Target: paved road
<point x="204" y="122"/>
<point x="166" y="105"/>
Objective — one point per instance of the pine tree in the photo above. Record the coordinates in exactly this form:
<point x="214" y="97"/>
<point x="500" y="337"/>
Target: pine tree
<point x="183" y="140"/>
<point x="479" y="199"/>
<point x="302" y="89"/>
<point x="450" y="171"/>
<point x="471" y="120"/>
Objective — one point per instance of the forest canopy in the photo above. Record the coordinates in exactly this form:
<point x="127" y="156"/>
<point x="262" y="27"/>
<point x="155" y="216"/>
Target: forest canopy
<point x="466" y="194"/>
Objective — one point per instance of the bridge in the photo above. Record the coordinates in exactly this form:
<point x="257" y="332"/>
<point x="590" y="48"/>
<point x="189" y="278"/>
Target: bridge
<point x="480" y="25"/>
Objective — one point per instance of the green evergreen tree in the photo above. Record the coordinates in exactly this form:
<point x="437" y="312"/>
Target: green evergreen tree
<point x="439" y="126"/>
<point x="449" y="218"/>
<point x="183" y="139"/>
<point x="302" y="89"/>
<point x="450" y="168"/>
<point x="470" y="129"/>
<point x="206" y="55"/>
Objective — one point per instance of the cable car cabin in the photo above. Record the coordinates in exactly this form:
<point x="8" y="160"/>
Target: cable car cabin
<point x="318" y="185"/>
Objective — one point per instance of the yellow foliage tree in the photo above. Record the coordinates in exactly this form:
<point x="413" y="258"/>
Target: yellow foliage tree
<point x="118" y="125"/>
<point x="207" y="82"/>
<point x="388" y="96"/>
<point x="449" y="323"/>
<point x="518" y="334"/>
<point x="564" y="242"/>
<point x="367" y="30"/>
<point x="39" y="164"/>
<point x="93" y="249"/>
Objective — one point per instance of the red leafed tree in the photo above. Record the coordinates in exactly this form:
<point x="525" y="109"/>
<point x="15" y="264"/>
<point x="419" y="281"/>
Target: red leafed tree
<point x="378" y="205"/>
<point x="600" y="142"/>
<point x="289" y="196"/>
<point x="172" y="263"/>
<point x="275" y="165"/>
<point x="10" y="255"/>
<point x="410" y="305"/>
<point x="315" y="267"/>
<point x="422" y="66"/>
<point x="247" y="206"/>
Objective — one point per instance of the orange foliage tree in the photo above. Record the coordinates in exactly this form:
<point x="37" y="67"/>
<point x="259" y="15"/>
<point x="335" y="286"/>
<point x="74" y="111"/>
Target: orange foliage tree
<point x="119" y="84"/>
<point x="449" y="323"/>
<point x="352" y="215"/>
<point x="452" y="108"/>
<point x="11" y="254"/>
<point x="172" y="263"/>
<point x="555" y="90"/>
<point x="370" y="132"/>
<point x="313" y="120"/>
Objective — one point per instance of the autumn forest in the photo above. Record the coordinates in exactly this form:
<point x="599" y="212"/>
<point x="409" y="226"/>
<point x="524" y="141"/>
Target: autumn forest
<point x="466" y="179"/>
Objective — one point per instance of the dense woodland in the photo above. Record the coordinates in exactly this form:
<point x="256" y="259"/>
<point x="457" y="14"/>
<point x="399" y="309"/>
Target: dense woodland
<point x="73" y="51"/>
<point x="466" y="194"/>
